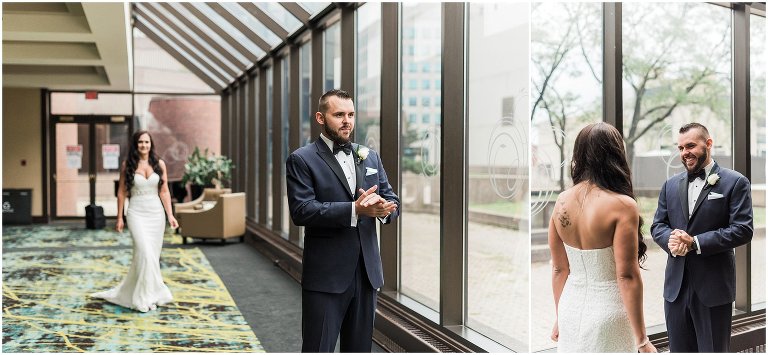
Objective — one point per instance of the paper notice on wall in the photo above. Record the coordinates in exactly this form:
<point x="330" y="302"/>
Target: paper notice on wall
<point x="110" y="155"/>
<point x="75" y="156"/>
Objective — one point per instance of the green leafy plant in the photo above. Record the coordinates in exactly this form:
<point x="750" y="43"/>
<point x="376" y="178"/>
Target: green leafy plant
<point x="207" y="169"/>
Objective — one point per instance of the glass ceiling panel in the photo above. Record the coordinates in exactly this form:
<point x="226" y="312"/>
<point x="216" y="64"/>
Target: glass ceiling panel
<point x="314" y="7"/>
<point x="280" y="15"/>
<point x="211" y="33"/>
<point x="252" y="23"/>
<point x="220" y="72"/>
<point x="181" y="51"/>
<point x="155" y="70"/>
<point x="202" y="43"/>
<point x="227" y="27"/>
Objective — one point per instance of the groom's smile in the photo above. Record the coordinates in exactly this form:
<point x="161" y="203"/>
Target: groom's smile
<point x="694" y="149"/>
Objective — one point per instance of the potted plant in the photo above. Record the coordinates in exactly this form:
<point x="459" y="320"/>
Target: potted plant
<point x="204" y="169"/>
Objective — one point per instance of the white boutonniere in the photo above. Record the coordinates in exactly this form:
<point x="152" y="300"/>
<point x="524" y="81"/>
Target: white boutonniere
<point x="713" y="179"/>
<point x="362" y="153"/>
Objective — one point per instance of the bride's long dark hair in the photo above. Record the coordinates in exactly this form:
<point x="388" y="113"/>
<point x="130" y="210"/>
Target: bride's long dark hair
<point x="599" y="157"/>
<point x="132" y="161"/>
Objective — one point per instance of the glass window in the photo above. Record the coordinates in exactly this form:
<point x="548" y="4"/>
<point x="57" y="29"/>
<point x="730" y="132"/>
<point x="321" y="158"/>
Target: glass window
<point x="270" y="142"/>
<point x="332" y="57"/>
<point x="426" y="67"/>
<point x="498" y="119"/>
<point x="228" y="28"/>
<point x="571" y="99"/>
<point x="179" y="124"/>
<point x="208" y="31"/>
<point x="420" y="161"/>
<point x="425" y="101"/>
<point x="154" y="70"/>
<point x="368" y="110"/>
<point x="186" y="47"/>
<point x="690" y="72"/>
<point x="425" y="84"/>
<point x="199" y="42"/>
<point x="413" y="84"/>
<point x="758" y="146"/>
<point x="314" y="7"/>
<point x="413" y="67"/>
<point x="412" y="118"/>
<point x="252" y="23"/>
<point x="305" y="105"/>
<point x="285" y="112"/>
<point x="280" y="15"/>
<point x="254" y="165"/>
<point x="437" y="101"/>
<point x="425" y="118"/>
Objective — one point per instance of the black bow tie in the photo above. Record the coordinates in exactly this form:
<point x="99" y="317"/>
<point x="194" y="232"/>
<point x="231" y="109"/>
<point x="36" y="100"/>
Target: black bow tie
<point x="346" y="147"/>
<point x="701" y="174"/>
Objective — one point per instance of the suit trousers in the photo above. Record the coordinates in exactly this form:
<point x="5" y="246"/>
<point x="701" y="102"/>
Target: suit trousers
<point x="348" y="316"/>
<point x="693" y="327"/>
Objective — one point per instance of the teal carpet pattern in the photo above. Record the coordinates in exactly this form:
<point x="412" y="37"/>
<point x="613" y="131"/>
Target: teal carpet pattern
<point x="70" y="235"/>
<point x="47" y="307"/>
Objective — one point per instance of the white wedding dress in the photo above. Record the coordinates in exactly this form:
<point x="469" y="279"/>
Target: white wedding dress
<point x="592" y="316"/>
<point x="142" y="288"/>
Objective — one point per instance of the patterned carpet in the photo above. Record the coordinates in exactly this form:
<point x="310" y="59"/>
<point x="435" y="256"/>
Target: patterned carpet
<point x="70" y="235"/>
<point x="46" y="307"/>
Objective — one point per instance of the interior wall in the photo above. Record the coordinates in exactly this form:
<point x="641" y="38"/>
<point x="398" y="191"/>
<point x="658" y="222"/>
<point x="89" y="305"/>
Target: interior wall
<point x="22" y="148"/>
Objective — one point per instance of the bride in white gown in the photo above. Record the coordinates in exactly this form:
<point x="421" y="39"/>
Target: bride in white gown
<point x="145" y="176"/>
<point x="597" y="247"/>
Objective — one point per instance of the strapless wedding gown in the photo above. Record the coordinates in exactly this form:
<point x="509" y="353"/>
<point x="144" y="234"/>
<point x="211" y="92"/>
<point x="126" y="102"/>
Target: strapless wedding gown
<point x="592" y="316"/>
<point x="142" y="288"/>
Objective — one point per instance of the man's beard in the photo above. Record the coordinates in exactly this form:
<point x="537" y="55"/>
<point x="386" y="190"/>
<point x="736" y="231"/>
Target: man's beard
<point x="334" y="135"/>
<point x="699" y="163"/>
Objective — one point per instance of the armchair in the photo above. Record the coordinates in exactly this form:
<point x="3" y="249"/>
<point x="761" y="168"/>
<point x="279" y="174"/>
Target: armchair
<point x="209" y="194"/>
<point x="226" y="219"/>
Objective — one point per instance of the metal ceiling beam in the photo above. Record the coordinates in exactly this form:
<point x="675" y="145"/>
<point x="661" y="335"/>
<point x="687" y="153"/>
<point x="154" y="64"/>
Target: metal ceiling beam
<point x="204" y="35"/>
<point x="297" y="11"/>
<point x="178" y="56"/>
<point x="223" y="34"/>
<point x="265" y="19"/>
<point x="150" y="7"/>
<point x="203" y="61"/>
<point x="234" y="21"/>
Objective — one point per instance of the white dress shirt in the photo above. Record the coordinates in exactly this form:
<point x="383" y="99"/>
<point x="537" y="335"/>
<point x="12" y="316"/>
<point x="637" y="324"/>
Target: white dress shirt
<point x="347" y="162"/>
<point x="694" y="189"/>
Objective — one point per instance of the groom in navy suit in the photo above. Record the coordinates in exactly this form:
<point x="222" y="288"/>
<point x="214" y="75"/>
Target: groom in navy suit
<point x="338" y="190"/>
<point x="703" y="214"/>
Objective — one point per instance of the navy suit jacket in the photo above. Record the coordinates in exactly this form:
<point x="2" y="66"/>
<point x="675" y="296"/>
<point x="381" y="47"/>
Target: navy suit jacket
<point x="319" y="199"/>
<point x="721" y="225"/>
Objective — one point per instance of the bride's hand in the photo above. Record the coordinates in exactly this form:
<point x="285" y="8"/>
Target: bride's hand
<point x="173" y="222"/>
<point x="647" y="348"/>
<point x="119" y="225"/>
<point x="555" y="333"/>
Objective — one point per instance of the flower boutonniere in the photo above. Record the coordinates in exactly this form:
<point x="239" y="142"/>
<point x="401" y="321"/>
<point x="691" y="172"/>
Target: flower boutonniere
<point x="362" y="153"/>
<point x="712" y="179"/>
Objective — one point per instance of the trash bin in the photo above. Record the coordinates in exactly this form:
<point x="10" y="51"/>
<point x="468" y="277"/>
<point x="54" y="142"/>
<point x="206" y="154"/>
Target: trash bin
<point x="17" y="206"/>
<point x="94" y="217"/>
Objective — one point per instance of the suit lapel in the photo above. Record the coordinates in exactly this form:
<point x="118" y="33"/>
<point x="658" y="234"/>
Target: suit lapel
<point x="325" y="153"/>
<point x="358" y="170"/>
<point x="704" y="191"/>
<point x="682" y="192"/>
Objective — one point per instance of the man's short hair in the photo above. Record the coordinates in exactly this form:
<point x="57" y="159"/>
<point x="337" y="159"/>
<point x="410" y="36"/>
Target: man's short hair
<point x="322" y="104"/>
<point x="704" y="131"/>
